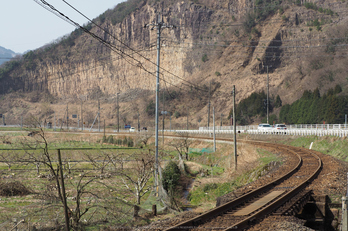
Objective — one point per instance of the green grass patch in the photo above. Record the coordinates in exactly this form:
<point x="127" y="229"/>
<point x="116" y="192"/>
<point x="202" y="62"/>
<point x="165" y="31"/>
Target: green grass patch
<point x="209" y="192"/>
<point x="331" y="145"/>
<point x="267" y="156"/>
<point x="10" y="129"/>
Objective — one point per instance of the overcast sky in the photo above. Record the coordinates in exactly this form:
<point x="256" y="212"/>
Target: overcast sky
<point x="25" y="25"/>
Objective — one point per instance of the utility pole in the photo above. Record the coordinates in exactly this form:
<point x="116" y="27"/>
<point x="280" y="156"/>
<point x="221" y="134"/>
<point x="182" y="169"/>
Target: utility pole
<point x="159" y="25"/>
<point x="81" y="116"/>
<point x="209" y="105"/>
<point x="138" y="123"/>
<point x="234" y="128"/>
<point x="214" y="129"/>
<point x="267" y="96"/>
<point x="98" y="115"/>
<point x="67" y="116"/>
<point x="221" y="121"/>
<point x="163" y="114"/>
<point x="187" y="120"/>
<point x="118" y="113"/>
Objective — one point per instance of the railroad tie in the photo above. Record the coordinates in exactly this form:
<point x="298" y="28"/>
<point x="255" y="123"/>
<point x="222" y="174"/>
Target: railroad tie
<point x="258" y="204"/>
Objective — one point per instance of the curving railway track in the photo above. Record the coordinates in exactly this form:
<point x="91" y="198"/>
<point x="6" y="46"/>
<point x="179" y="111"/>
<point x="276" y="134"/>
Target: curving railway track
<point x="267" y="198"/>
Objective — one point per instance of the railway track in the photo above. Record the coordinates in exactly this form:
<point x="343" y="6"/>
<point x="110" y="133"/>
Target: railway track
<point x="243" y="211"/>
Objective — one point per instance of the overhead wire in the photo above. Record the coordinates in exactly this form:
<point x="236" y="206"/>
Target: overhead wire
<point x="108" y="44"/>
<point x="147" y="59"/>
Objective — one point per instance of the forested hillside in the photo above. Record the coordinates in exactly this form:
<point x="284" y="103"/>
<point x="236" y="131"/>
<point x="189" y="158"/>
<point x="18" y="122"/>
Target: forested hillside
<point x="312" y="108"/>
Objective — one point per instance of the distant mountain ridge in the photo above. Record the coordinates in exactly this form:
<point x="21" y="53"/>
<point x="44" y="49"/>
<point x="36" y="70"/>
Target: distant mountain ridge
<point x="6" y="53"/>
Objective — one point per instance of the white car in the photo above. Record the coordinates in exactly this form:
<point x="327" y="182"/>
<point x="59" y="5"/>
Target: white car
<point x="264" y="127"/>
<point x="280" y="127"/>
<point x="132" y="129"/>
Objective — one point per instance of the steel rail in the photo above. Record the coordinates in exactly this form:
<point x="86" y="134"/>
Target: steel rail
<point x="189" y="224"/>
<point x="278" y="202"/>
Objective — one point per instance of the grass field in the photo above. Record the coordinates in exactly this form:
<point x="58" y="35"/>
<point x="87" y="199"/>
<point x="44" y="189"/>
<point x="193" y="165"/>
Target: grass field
<point x="90" y="166"/>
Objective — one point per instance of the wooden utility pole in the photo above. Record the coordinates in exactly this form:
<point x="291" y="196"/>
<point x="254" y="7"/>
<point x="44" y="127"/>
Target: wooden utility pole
<point x="214" y="129"/>
<point x="187" y="127"/>
<point x="138" y="122"/>
<point x="209" y="105"/>
<point x="118" y="113"/>
<point x="163" y="114"/>
<point x="98" y="115"/>
<point x="67" y="116"/>
<point x="81" y="116"/>
<point x="234" y="128"/>
<point x="267" y="96"/>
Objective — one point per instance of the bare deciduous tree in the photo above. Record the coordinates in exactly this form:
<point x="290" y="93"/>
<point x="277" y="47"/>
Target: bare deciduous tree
<point x="137" y="175"/>
<point x="182" y="145"/>
<point x="144" y="137"/>
<point x="91" y="198"/>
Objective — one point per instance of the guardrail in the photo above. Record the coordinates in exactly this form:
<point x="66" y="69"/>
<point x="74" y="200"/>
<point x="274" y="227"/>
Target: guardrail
<point x="289" y="127"/>
<point x="340" y="130"/>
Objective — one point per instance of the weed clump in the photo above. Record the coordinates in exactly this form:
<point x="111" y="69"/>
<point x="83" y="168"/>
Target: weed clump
<point x="15" y="188"/>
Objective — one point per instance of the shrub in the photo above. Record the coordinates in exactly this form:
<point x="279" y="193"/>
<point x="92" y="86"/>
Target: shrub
<point x="217" y="73"/>
<point x="281" y="10"/>
<point x="13" y="189"/>
<point x="284" y="18"/>
<point x="310" y="5"/>
<point x="122" y="10"/>
<point x="249" y="22"/>
<point x="130" y="142"/>
<point x="338" y="89"/>
<point x="176" y="114"/>
<point x="110" y="139"/>
<point x="278" y="102"/>
<point x="209" y="187"/>
<point x="255" y="31"/>
<point x="171" y="175"/>
<point x="204" y="58"/>
<point x="316" y="64"/>
<point x="125" y="141"/>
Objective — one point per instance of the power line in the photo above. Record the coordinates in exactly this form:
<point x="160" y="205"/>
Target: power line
<point x="147" y="59"/>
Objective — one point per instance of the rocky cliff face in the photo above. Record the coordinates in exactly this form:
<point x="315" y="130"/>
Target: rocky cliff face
<point x="89" y="66"/>
<point x="211" y="41"/>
